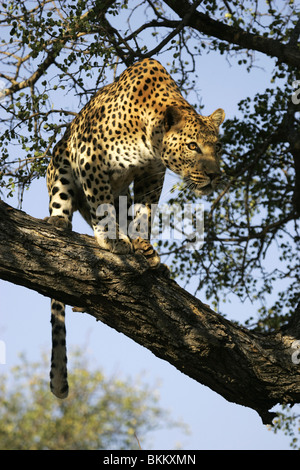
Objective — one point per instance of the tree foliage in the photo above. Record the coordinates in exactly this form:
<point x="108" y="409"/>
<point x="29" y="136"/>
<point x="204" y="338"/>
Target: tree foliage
<point x="100" y="412"/>
<point x="50" y="49"/>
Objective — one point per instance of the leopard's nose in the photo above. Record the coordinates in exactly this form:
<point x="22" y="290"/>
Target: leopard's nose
<point x="213" y="175"/>
<point x="211" y="168"/>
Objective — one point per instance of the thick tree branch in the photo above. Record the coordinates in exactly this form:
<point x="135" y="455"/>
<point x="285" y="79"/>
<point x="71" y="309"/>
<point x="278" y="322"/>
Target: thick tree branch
<point x="286" y="53"/>
<point x="245" y="367"/>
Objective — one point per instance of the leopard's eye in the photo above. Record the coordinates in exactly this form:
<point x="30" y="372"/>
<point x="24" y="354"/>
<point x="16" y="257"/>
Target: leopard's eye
<point x="193" y="146"/>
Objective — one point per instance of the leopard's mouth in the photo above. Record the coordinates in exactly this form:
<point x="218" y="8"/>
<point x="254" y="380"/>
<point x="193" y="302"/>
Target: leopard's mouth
<point x="201" y="186"/>
<point x="207" y="188"/>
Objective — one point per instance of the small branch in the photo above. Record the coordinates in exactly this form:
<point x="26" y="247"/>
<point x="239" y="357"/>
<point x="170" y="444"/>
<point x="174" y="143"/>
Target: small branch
<point x="37" y="74"/>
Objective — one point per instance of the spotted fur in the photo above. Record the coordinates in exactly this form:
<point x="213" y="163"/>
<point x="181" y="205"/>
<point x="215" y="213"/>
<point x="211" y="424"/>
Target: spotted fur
<point x="130" y="131"/>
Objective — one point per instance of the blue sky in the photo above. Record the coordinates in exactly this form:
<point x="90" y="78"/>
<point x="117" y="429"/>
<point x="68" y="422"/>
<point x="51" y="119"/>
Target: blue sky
<point x="25" y="316"/>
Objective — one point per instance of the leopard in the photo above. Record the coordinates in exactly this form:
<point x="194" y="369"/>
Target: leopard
<point x="120" y="144"/>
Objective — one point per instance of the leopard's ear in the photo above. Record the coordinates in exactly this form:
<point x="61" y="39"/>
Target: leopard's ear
<point x="218" y="116"/>
<point x="173" y="116"/>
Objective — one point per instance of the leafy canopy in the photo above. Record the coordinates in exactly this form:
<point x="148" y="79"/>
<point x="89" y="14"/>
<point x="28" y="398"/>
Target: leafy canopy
<point x="100" y="412"/>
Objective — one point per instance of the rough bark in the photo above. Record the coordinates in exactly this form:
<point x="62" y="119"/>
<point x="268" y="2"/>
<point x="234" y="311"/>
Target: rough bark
<point x="245" y="367"/>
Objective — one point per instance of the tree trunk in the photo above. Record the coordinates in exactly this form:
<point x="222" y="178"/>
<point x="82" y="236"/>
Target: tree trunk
<point x="245" y="367"/>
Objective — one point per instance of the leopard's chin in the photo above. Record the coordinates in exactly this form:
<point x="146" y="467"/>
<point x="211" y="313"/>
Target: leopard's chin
<point x="204" y="191"/>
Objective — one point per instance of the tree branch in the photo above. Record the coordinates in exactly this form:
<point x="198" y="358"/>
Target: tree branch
<point x="57" y="46"/>
<point x="41" y="69"/>
<point x="245" y="367"/>
<point x="286" y="53"/>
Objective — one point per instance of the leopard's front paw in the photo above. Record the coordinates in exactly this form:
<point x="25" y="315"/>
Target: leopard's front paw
<point x="121" y="246"/>
<point x="58" y="222"/>
<point x="145" y="248"/>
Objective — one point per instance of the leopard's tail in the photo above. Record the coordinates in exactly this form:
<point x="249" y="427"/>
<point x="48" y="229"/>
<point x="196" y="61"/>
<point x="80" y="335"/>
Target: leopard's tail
<point x="58" y="373"/>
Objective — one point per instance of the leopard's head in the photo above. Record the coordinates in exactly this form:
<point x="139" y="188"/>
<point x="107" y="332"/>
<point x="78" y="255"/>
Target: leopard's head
<point x="191" y="147"/>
